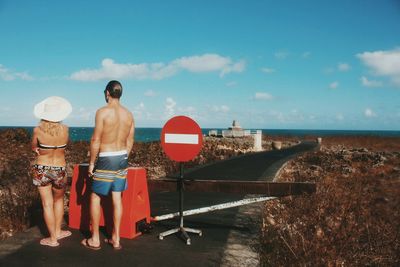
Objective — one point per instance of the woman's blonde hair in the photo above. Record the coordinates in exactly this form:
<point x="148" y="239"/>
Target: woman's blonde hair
<point x="51" y="128"/>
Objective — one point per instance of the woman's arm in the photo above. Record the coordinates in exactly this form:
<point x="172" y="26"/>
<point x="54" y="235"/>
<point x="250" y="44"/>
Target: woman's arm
<point x="34" y="142"/>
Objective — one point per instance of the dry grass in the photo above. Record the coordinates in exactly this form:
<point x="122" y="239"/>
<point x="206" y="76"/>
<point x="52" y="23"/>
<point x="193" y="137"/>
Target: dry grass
<point x="374" y="143"/>
<point x="352" y="219"/>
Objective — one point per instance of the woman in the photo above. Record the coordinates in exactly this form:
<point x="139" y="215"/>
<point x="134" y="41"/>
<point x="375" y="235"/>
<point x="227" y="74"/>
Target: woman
<point x="49" y="140"/>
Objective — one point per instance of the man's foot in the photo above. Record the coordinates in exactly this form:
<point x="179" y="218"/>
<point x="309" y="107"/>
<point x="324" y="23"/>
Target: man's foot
<point x="86" y="243"/>
<point x="115" y="245"/>
<point x="64" y="234"/>
<point x="47" y="242"/>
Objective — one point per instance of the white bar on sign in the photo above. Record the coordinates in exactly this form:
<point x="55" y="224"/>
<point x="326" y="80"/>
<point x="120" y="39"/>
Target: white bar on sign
<point x="192" y="139"/>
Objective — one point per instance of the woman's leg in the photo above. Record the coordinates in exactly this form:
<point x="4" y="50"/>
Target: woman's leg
<point x="46" y="196"/>
<point x="58" y="202"/>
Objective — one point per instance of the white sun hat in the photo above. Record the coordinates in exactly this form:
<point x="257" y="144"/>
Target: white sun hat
<point x="53" y="108"/>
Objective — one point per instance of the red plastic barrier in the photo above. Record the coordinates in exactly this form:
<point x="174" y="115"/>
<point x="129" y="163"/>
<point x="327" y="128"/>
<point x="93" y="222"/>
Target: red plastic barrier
<point x="135" y="202"/>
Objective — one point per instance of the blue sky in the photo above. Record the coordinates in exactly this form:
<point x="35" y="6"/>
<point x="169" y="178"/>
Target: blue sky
<point x="267" y="64"/>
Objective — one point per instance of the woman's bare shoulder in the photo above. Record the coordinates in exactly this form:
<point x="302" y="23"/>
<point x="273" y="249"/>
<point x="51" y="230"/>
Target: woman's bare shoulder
<point x="36" y="130"/>
<point x="65" y="129"/>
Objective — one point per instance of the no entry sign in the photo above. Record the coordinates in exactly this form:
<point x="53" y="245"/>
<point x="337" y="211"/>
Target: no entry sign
<point x="181" y="139"/>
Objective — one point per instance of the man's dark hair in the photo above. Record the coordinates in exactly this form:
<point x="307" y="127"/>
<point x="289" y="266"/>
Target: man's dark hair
<point x="114" y="88"/>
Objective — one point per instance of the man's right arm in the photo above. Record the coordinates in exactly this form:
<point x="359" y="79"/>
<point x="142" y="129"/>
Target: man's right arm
<point x="96" y="140"/>
<point x="130" y="139"/>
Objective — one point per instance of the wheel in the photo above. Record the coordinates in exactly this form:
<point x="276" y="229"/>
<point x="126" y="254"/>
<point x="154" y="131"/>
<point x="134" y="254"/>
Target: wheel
<point x="188" y="242"/>
<point x="201" y="233"/>
<point x="160" y="237"/>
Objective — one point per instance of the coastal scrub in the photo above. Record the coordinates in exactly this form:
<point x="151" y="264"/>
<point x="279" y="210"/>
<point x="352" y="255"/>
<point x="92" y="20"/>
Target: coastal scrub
<point x="352" y="219"/>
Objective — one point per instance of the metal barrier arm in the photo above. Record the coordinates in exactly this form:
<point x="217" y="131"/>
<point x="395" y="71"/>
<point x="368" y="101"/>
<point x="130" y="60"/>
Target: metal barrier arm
<point x="238" y="187"/>
<point x="212" y="208"/>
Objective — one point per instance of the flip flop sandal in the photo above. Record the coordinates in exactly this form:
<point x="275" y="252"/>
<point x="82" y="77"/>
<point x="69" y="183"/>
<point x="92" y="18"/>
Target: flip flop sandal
<point x="87" y="245"/>
<point x="111" y="243"/>
<point x="46" y="242"/>
<point x="64" y="234"/>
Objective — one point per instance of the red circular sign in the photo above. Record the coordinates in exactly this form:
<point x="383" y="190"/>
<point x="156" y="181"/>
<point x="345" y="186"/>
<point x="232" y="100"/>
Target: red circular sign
<point x="181" y="139"/>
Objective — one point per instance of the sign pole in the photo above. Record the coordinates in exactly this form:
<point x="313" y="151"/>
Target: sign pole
<point x="184" y="230"/>
<point x="181" y="194"/>
<point x="185" y="235"/>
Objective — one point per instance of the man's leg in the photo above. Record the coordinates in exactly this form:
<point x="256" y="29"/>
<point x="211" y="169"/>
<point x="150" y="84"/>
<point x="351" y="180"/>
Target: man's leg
<point x="117" y="205"/>
<point x="94" y="241"/>
<point x="95" y="217"/>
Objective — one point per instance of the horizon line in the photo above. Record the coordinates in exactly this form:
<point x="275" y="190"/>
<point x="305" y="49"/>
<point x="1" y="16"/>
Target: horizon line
<point x="216" y="128"/>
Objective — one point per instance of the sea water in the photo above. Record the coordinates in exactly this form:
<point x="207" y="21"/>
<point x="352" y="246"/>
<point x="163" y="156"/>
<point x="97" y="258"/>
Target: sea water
<point x="153" y="134"/>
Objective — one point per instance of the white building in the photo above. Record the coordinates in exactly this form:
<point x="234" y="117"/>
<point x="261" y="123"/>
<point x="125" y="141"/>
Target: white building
<point x="236" y="131"/>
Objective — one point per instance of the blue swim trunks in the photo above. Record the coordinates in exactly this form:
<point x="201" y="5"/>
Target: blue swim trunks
<point x="110" y="172"/>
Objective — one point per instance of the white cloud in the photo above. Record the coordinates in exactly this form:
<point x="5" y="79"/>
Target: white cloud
<point x="224" y="108"/>
<point x="237" y="67"/>
<point x="262" y="96"/>
<point x="329" y="70"/>
<point x="383" y="63"/>
<point x="370" y="83"/>
<point x="150" y="93"/>
<point x="343" y="67"/>
<point x="334" y="85"/>
<point x="291" y="117"/>
<point x="139" y="111"/>
<point x="268" y="70"/>
<point x="157" y="71"/>
<point x="209" y="63"/>
<point x="5" y="112"/>
<point x="369" y="113"/>
<point x="339" y="117"/>
<point x="169" y="107"/>
<point x="188" y="109"/>
<point x="8" y="75"/>
<point x="221" y="109"/>
<point x="82" y="114"/>
<point x="306" y="54"/>
<point x="281" y="55"/>
<point x="231" y="84"/>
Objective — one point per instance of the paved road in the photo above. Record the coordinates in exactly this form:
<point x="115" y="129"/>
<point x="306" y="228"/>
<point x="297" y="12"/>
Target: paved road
<point x="250" y="167"/>
<point x="147" y="250"/>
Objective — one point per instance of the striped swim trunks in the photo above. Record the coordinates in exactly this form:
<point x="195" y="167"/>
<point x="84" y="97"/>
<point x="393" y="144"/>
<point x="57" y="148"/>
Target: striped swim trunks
<point x="110" y="172"/>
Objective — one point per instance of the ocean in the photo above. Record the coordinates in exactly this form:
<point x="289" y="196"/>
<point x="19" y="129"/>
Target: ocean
<point x="153" y="134"/>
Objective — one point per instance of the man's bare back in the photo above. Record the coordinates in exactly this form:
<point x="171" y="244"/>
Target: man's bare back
<point x="117" y="126"/>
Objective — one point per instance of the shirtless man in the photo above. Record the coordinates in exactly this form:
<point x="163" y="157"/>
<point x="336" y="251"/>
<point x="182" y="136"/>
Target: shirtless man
<point x="112" y="142"/>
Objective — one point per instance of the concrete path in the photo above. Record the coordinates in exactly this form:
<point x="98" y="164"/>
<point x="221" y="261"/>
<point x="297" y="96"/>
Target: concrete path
<point x="228" y="235"/>
<point x="250" y="167"/>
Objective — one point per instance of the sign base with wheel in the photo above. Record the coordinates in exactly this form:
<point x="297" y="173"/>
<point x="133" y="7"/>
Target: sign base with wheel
<point x="181" y="140"/>
<point x="183" y="230"/>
